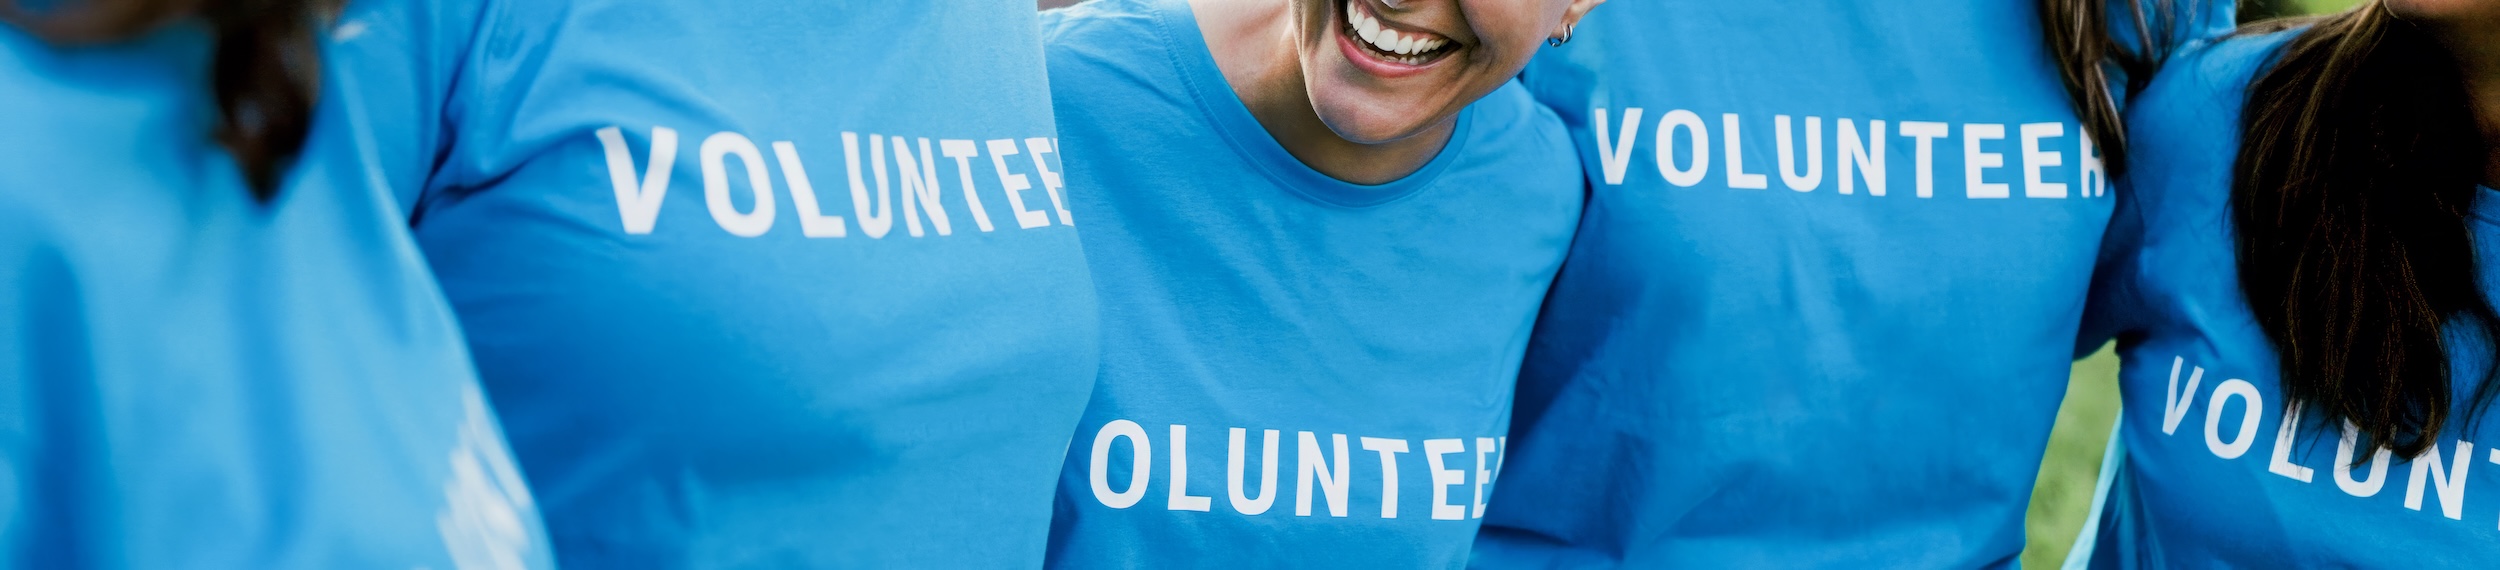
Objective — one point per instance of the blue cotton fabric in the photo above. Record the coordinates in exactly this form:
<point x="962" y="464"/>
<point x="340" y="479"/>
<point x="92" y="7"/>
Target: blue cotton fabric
<point x="1821" y="307"/>
<point x="784" y="283"/>
<point x="192" y="378"/>
<point x="1297" y="371"/>
<point x="2215" y="472"/>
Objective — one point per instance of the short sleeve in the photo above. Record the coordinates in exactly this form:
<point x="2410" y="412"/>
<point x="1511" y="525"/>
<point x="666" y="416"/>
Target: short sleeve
<point x="401" y="65"/>
<point x="2182" y="134"/>
<point x="2111" y="307"/>
<point x="2173" y="24"/>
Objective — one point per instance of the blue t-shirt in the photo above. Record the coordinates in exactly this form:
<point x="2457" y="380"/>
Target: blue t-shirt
<point x="190" y="378"/>
<point x="784" y="283"/>
<point x="1297" y="371"/>
<point x="2214" y="473"/>
<point x="1821" y="308"/>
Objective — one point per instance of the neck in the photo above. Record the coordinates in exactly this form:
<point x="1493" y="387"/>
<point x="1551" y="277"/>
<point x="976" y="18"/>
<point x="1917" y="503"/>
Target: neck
<point x="2475" y="43"/>
<point x="1257" y="44"/>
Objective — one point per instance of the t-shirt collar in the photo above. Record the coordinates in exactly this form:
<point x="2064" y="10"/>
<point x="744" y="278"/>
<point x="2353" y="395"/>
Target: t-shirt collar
<point x="1232" y="119"/>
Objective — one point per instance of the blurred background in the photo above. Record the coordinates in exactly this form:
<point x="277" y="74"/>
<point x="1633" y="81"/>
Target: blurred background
<point x="2064" y="495"/>
<point x="2261" y="9"/>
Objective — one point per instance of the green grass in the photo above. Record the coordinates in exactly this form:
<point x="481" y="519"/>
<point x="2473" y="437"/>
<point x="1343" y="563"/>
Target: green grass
<point x="2324" y="6"/>
<point x="2063" y="495"/>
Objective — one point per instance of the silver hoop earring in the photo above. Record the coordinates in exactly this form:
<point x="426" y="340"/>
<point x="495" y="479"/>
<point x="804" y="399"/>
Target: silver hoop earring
<point x="1567" y="31"/>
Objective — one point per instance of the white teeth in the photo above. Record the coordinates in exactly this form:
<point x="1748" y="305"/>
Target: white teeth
<point x="1388" y="40"/>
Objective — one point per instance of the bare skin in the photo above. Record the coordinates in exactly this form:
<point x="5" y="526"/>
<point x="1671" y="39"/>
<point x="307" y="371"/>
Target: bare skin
<point x="1359" y="113"/>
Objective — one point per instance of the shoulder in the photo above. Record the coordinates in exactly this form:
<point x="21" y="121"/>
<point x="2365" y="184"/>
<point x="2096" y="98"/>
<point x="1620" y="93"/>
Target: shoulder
<point x="1518" y="158"/>
<point x="1113" y="56"/>
<point x="104" y="108"/>
<point x="2208" y="77"/>
<point x="1101" y="29"/>
<point x="2188" y="117"/>
<point x="1509" y="127"/>
<point x="91" y="82"/>
<point x="2174" y="23"/>
<point x="2183" y="132"/>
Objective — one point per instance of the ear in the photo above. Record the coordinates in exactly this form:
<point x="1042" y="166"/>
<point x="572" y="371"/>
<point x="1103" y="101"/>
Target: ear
<point x="1571" y="18"/>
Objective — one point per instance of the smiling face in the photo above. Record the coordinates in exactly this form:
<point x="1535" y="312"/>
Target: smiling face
<point x="1384" y="70"/>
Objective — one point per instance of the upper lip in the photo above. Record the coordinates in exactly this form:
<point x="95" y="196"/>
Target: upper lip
<point x="1356" y="17"/>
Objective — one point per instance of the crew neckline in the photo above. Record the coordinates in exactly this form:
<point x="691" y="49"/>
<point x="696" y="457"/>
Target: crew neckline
<point x="1232" y="119"/>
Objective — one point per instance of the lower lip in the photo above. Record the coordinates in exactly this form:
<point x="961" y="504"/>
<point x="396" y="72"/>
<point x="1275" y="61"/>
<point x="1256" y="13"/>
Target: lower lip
<point x="1377" y="67"/>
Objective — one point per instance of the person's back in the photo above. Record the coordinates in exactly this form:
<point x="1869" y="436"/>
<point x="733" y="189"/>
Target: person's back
<point x="195" y="376"/>
<point x="2233" y="454"/>
<point x="1821" y="308"/>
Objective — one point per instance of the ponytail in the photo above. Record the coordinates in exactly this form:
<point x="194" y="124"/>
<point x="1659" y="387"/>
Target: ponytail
<point x="267" y="69"/>
<point x="2352" y="196"/>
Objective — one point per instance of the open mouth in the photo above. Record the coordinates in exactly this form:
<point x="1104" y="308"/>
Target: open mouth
<point x="1383" y="42"/>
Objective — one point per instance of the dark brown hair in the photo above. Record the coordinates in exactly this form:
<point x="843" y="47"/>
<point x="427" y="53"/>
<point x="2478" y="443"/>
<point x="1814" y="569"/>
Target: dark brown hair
<point x="2083" y="44"/>
<point x="2352" y="195"/>
<point x="267" y="71"/>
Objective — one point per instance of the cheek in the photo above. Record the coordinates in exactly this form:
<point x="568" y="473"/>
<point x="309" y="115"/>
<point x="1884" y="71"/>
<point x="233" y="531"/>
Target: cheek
<point x="1503" y="52"/>
<point x="1512" y="33"/>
